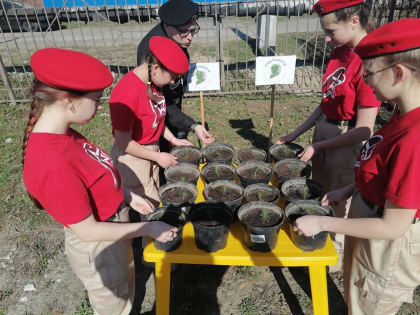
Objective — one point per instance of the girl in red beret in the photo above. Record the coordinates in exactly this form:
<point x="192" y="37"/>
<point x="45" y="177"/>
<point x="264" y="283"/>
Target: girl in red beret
<point x="348" y="108"/>
<point x="382" y="247"/>
<point x="138" y="112"/>
<point x="76" y="181"/>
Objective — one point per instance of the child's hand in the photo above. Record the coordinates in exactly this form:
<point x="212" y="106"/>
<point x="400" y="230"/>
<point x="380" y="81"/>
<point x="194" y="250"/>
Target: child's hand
<point x="287" y="138"/>
<point x="308" y="225"/>
<point x="177" y="142"/>
<point x="161" y="231"/>
<point x="165" y="159"/>
<point x="334" y="196"/>
<point x="307" y="153"/>
<point x="203" y="134"/>
<point x="141" y="204"/>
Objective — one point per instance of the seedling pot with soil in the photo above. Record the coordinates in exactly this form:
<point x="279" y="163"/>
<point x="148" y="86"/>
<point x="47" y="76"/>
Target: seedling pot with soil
<point x="211" y="223"/>
<point x="253" y="172"/>
<point x="187" y="154"/>
<point x="172" y="216"/>
<point x="219" y="152"/>
<point x="300" y="208"/>
<point x="182" y="172"/>
<point x="251" y="154"/>
<point x="178" y="194"/>
<point x="262" y="192"/>
<point x="291" y="168"/>
<point x="225" y="191"/>
<point x="301" y="189"/>
<point x="261" y="222"/>
<point x="285" y="151"/>
<point x="217" y="171"/>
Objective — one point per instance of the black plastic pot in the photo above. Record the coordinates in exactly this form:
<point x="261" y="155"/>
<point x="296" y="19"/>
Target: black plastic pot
<point x="301" y="189"/>
<point x="182" y="172"/>
<point x="172" y="216"/>
<point x="300" y="208"/>
<point x="285" y="151"/>
<point x="217" y="171"/>
<point x="260" y="238"/>
<point x="262" y="192"/>
<point x="183" y="202"/>
<point x="187" y="154"/>
<point x="219" y="152"/>
<point x="211" y="223"/>
<point x="291" y="168"/>
<point x="251" y="154"/>
<point x="216" y="191"/>
<point x="253" y="172"/>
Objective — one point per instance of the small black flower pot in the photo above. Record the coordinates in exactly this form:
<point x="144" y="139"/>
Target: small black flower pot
<point x="291" y="168"/>
<point x="301" y="189"/>
<point x="285" y="151"/>
<point x="178" y="195"/>
<point x="182" y="172"/>
<point x="219" y="152"/>
<point x="300" y="208"/>
<point x="253" y="172"/>
<point x="217" y="171"/>
<point x="262" y="192"/>
<point x="171" y="216"/>
<point x="226" y="192"/>
<point x="211" y="223"/>
<point x="251" y="154"/>
<point x="187" y="154"/>
<point x="261" y="222"/>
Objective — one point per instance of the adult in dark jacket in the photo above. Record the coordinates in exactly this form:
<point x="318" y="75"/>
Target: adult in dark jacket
<point x="179" y="23"/>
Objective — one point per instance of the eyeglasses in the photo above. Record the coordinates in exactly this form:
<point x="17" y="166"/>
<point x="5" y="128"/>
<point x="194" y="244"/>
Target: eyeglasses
<point x="185" y="33"/>
<point x="367" y="75"/>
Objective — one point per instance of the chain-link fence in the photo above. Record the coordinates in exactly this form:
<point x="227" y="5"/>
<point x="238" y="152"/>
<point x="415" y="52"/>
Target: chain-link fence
<point x="232" y="33"/>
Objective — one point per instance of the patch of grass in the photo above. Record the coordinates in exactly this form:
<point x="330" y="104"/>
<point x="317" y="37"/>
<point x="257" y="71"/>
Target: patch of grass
<point x="248" y="306"/>
<point x="5" y="293"/>
<point x="245" y="271"/>
<point x="84" y="308"/>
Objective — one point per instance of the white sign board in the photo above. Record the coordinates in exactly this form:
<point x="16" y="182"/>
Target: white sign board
<point x="204" y="76"/>
<point x="275" y="70"/>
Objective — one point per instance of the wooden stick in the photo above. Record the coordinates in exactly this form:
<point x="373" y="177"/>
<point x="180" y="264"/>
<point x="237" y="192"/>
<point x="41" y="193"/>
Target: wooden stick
<point x="203" y="122"/>
<point x="270" y="134"/>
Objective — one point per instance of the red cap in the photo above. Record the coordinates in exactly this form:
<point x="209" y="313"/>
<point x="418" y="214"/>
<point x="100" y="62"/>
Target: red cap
<point x="70" y="70"/>
<point x="394" y="37"/>
<point x="323" y="7"/>
<point x="169" y="54"/>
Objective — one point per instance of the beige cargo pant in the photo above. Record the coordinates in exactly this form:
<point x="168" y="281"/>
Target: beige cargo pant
<point x="379" y="275"/>
<point x="334" y="168"/>
<point x="106" y="269"/>
<point x="138" y="175"/>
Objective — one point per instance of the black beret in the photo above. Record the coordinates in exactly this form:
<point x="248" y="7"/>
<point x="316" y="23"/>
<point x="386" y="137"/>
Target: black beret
<point x="178" y="12"/>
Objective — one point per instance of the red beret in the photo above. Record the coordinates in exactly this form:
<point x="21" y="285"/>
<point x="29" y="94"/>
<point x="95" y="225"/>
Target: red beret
<point x="65" y="69"/>
<point x="394" y="37"/>
<point x="169" y="54"/>
<point x="323" y="7"/>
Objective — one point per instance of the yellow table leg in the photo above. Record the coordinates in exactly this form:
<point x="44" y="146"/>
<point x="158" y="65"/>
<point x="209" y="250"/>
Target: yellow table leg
<point x="162" y="283"/>
<point x="318" y="278"/>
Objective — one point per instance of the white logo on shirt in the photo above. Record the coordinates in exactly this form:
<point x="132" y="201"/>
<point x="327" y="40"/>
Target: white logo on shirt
<point x="103" y="159"/>
<point x="159" y="109"/>
<point x="333" y="80"/>
<point x="367" y="149"/>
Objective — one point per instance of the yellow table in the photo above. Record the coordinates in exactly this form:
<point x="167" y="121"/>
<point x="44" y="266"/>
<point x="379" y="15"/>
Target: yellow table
<point x="237" y="254"/>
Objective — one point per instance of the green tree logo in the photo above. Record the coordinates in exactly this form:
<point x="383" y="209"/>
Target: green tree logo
<point x="275" y="71"/>
<point x="200" y="76"/>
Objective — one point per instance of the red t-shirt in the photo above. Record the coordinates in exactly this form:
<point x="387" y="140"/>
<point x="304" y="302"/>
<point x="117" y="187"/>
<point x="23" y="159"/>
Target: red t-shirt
<point x="132" y="109"/>
<point x="71" y="177"/>
<point x="388" y="167"/>
<point x="343" y="87"/>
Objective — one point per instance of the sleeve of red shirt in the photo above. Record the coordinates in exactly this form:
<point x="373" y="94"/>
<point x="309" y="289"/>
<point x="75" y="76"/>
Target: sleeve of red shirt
<point x="364" y="94"/>
<point x="122" y="116"/>
<point x="65" y="197"/>
<point x="403" y="187"/>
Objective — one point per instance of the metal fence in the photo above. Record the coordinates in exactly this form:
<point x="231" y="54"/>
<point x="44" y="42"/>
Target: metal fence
<point x="232" y="32"/>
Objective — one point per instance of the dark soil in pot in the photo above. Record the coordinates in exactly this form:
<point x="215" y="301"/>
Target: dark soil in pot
<point x="285" y="150"/>
<point x="262" y="192"/>
<point x="227" y="192"/>
<point x="261" y="222"/>
<point x="251" y="154"/>
<point x="182" y="172"/>
<point x="178" y="194"/>
<point x="218" y="171"/>
<point x="291" y="168"/>
<point x="301" y="208"/>
<point x="253" y="172"/>
<point x="301" y="189"/>
<point x="187" y="154"/>
<point x="219" y="152"/>
<point x="172" y="216"/>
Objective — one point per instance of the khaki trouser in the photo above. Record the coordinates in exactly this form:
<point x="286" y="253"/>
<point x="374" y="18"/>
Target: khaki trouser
<point x="334" y="168"/>
<point x="138" y="175"/>
<point x="379" y="275"/>
<point x="106" y="269"/>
